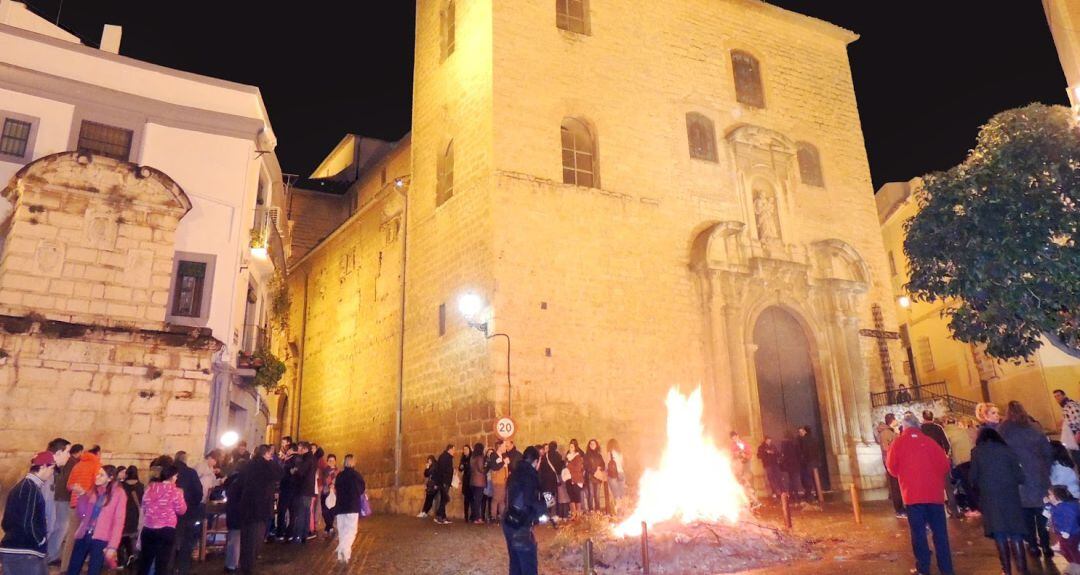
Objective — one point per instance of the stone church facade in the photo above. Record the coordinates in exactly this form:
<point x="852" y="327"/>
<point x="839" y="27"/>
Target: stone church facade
<point x="677" y="195"/>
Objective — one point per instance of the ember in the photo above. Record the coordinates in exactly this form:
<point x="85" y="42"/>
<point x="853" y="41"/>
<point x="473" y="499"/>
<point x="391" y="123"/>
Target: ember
<point x="695" y="481"/>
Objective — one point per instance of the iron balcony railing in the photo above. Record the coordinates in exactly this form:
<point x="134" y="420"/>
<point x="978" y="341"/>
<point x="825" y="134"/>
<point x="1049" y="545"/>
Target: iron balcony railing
<point x="928" y="392"/>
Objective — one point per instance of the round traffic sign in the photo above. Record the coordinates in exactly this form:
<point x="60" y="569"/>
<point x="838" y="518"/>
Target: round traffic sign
<point x="505" y="428"/>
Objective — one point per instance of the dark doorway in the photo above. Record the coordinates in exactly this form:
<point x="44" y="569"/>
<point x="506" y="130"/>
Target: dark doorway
<point x="785" y="377"/>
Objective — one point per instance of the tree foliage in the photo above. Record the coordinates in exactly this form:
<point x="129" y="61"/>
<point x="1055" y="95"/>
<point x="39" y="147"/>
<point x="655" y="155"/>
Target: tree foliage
<point x="995" y="237"/>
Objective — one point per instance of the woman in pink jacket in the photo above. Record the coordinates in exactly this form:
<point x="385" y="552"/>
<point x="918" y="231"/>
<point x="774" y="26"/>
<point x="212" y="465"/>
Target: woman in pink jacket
<point x="101" y="512"/>
<point x="161" y="504"/>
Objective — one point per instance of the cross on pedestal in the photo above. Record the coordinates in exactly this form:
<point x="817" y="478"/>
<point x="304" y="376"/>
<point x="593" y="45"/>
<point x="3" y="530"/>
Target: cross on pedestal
<point x="882" y="338"/>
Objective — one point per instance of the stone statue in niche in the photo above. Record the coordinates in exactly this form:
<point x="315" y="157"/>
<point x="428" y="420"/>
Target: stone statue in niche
<point x="768" y="221"/>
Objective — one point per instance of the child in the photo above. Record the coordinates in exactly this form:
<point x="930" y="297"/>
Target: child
<point x="1061" y="471"/>
<point x="1065" y="515"/>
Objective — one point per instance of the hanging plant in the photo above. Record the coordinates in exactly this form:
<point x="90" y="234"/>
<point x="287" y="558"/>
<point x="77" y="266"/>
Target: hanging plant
<point x="269" y="371"/>
<point x="259" y="238"/>
<point x="279" y="302"/>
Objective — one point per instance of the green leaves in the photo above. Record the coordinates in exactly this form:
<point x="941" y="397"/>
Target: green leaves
<point x="996" y="235"/>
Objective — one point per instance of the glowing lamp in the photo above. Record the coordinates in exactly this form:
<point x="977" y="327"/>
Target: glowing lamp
<point x="259" y="253"/>
<point x="469" y="305"/>
<point x="904" y="301"/>
<point x="229" y="439"/>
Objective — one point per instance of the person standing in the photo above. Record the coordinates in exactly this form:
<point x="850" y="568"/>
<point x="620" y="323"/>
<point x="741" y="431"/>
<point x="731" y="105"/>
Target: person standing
<point x="56" y="515"/>
<point x="327" y="475"/>
<point x="988" y="415"/>
<point x="188" y="524"/>
<point x="500" y="470"/>
<point x="163" y="503"/>
<point x="477" y="479"/>
<point x="524" y="508"/>
<point x="431" y="491"/>
<point x="62" y="504"/>
<point x="1062" y="471"/>
<point x="810" y="460"/>
<point x="444" y="476"/>
<point x="1033" y="449"/>
<point x="920" y="465"/>
<point x="513" y="455"/>
<point x="101" y="512"/>
<point x="304" y="475"/>
<point x="615" y="477"/>
<point x="234" y="524"/>
<point x="935" y="431"/>
<point x="574" y="476"/>
<point x="791" y="464"/>
<point x="770" y="460"/>
<point x="995" y="470"/>
<point x="24" y="546"/>
<point x="133" y="490"/>
<point x="1070" y="424"/>
<point x="1065" y="517"/>
<point x="286" y="460"/>
<point x="349" y="486"/>
<point x="258" y="482"/>
<point x="594" y="476"/>
<point x="551" y="466"/>
<point x="80" y="480"/>
<point x="886" y="435"/>
<point x="463" y="478"/>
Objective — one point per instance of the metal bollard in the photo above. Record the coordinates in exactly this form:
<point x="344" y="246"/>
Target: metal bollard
<point x="645" y="547"/>
<point x="817" y="483"/>
<point x="856" y="507"/>
<point x="588" y="557"/>
<point x="785" y="507"/>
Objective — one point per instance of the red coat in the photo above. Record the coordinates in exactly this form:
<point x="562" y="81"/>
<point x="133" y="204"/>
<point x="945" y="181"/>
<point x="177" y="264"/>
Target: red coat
<point x="920" y="465"/>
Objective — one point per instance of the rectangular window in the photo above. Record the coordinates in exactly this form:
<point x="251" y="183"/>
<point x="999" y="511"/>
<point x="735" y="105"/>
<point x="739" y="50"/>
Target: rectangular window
<point x="15" y="137"/>
<point x="892" y="263"/>
<point x="188" y="289"/>
<point x="105" y="140"/>
<point x="444" y="185"/>
<point x="572" y="15"/>
<point x="442" y="319"/>
<point x="926" y="355"/>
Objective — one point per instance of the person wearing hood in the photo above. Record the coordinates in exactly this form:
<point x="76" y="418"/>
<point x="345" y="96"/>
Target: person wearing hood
<point x="524" y="508"/>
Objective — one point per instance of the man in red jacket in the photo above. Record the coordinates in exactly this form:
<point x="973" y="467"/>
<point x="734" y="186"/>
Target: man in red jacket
<point x="920" y="464"/>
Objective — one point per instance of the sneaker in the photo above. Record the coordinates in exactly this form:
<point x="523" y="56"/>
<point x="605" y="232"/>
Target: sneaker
<point x="310" y="536"/>
<point x="443" y="521"/>
<point x="901" y="515"/>
<point x="421" y="515"/>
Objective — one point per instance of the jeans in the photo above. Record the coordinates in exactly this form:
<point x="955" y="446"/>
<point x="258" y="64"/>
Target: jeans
<point x="346" y="524"/>
<point x="284" y="509"/>
<point x="429" y="500"/>
<point x="806" y="474"/>
<point x="921" y="516"/>
<point x="592" y="494"/>
<point x="252" y="536"/>
<point x="87" y="548"/>
<point x="521" y="548"/>
<point x="444" y="498"/>
<point x="61" y="513"/>
<point x="476" y="503"/>
<point x="232" y="549"/>
<point x="775" y="478"/>
<point x="157" y="546"/>
<point x="23" y="564"/>
<point x="1037" y="535"/>
<point x="301" y="514"/>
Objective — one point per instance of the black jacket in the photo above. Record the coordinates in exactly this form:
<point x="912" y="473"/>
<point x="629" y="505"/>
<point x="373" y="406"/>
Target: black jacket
<point x="348" y="486"/>
<point x="188" y="480"/>
<point x="24" y="519"/>
<point x="809" y="451"/>
<point x="594" y="461"/>
<point x="995" y="470"/>
<point x="1033" y="450"/>
<point x="769" y="455"/>
<point x="790" y="457"/>
<point x="937" y="433"/>
<point x="234" y="493"/>
<point x="444" y="469"/>
<point x="523" y="492"/>
<point x="260" y="480"/>
<point x="551" y="467"/>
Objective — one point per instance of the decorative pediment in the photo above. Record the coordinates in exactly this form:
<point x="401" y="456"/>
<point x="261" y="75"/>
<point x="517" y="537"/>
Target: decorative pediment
<point x="836" y="259"/>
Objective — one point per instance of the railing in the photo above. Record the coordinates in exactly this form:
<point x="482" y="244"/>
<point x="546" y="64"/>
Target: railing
<point x="254" y="339"/>
<point x="928" y="392"/>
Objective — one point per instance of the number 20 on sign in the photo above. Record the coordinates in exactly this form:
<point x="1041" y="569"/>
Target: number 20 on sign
<point x="505" y="428"/>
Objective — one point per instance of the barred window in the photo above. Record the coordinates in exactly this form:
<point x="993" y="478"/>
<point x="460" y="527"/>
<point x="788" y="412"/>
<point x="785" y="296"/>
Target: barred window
<point x="188" y="290"/>
<point x="701" y="135"/>
<point x="105" y="140"/>
<point x="810" y="165"/>
<point x="15" y="137"/>
<point x="578" y="154"/>
<point x="748" y="87"/>
<point x="449" y="29"/>
<point x="572" y="15"/>
<point x="444" y="188"/>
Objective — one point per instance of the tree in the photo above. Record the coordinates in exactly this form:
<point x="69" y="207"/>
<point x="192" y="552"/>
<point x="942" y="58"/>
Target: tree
<point x="995" y="237"/>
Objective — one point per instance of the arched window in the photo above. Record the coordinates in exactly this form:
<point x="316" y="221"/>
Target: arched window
<point x="810" y="165"/>
<point x="449" y="31"/>
<point x="572" y="15"/>
<point x="748" y="87"/>
<point x="701" y="135"/>
<point x="444" y="187"/>
<point x="578" y="154"/>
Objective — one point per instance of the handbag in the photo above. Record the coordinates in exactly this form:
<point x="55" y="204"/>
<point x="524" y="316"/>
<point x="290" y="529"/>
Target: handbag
<point x="365" y="505"/>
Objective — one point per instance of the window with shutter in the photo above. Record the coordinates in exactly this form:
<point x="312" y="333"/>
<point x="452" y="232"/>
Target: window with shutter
<point x="748" y="87"/>
<point x="701" y="135"/>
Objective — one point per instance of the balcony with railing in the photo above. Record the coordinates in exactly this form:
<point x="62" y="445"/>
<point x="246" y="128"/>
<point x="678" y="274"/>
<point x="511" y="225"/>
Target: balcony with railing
<point x="929" y="392"/>
<point x="267" y="246"/>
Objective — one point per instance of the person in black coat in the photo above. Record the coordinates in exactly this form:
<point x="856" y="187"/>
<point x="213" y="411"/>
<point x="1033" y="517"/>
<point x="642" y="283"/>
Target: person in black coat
<point x="349" y="487"/>
<point x="466" y="491"/>
<point x="1033" y="450"/>
<point x="443" y="477"/>
<point x="791" y="463"/>
<point x="187" y="525"/>
<point x="259" y="480"/>
<point x="233" y="521"/>
<point x="809" y="459"/>
<point x="288" y="488"/>
<point x="769" y="455"/>
<point x="524" y="508"/>
<point x="995" y="470"/>
<point x="304" y="477"/>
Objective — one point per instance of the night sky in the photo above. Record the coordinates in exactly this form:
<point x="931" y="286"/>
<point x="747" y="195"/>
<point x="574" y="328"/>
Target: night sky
<point x="927" y="74"/>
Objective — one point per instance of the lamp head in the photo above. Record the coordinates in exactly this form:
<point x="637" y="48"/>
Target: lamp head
<point x="469" y="305"/>
<point x="229" y="439"/>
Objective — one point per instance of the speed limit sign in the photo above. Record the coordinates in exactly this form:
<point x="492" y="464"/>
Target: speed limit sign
<point x="505" y="428"/>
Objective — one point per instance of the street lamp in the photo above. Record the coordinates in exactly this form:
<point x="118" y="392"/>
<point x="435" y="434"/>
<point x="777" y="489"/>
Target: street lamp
<point x="470" y="305"/>
<point x="229" y="439"/>
<point x="904" y="301"/>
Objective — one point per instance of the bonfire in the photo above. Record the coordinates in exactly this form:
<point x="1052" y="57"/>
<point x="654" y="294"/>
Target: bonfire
<point x="697" y="512"/>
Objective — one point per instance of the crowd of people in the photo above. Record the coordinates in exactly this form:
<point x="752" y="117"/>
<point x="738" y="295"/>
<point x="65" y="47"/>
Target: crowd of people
<point x="572" y="481"/>
<point x="1002" y="468"/>
<point x="791" y="466"/>
<point x="71" y="510"/>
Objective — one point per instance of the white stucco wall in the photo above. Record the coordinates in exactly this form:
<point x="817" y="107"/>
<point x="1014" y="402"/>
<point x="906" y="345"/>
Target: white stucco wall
<point x="52" y="131"/>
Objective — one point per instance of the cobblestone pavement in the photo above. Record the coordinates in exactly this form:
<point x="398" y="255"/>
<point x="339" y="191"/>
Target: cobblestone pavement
<point x="397" y="545"/>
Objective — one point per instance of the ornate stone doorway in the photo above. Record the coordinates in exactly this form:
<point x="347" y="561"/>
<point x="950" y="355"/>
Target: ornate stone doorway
<point x="787" y="389"/>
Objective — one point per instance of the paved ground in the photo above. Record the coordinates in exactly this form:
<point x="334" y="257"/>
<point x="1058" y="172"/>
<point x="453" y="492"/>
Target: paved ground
<point x="395" y="545"/>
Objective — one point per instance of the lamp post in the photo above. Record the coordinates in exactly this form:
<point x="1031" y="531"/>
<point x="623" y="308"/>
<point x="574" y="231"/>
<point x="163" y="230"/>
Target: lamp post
<point x="470" y="305"/>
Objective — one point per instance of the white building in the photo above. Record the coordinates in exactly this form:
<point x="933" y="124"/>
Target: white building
<point x="213" y="137"/>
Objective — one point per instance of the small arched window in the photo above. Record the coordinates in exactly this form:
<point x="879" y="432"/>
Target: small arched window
<point x="444" y="187"/>
<point x="449" y="28"/>
<point x="572" y="15"/>
<point x="748" y="87"/>
<point x="810" y="165"/>
<point x="701" y="135"/>
<point x="578" y="154"/>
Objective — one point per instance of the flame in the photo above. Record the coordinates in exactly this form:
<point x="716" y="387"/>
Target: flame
<point x="695" y="481"/>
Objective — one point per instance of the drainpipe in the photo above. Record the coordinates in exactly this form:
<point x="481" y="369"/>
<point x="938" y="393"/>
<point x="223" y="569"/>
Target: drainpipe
<point x="300" y="364"/>
<point x="402" y="187"/>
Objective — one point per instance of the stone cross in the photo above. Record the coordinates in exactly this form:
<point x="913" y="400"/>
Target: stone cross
<point x="882" y="338"/>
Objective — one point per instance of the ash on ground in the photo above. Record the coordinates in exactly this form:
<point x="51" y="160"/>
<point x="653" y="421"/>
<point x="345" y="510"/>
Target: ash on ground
<point x="676" y="548"/>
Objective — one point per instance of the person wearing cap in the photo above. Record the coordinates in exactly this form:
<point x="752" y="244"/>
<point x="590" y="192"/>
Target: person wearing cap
<point x="920" y="465"/>
<point x="56" y="516"/>
<point x="25" y="543"/>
